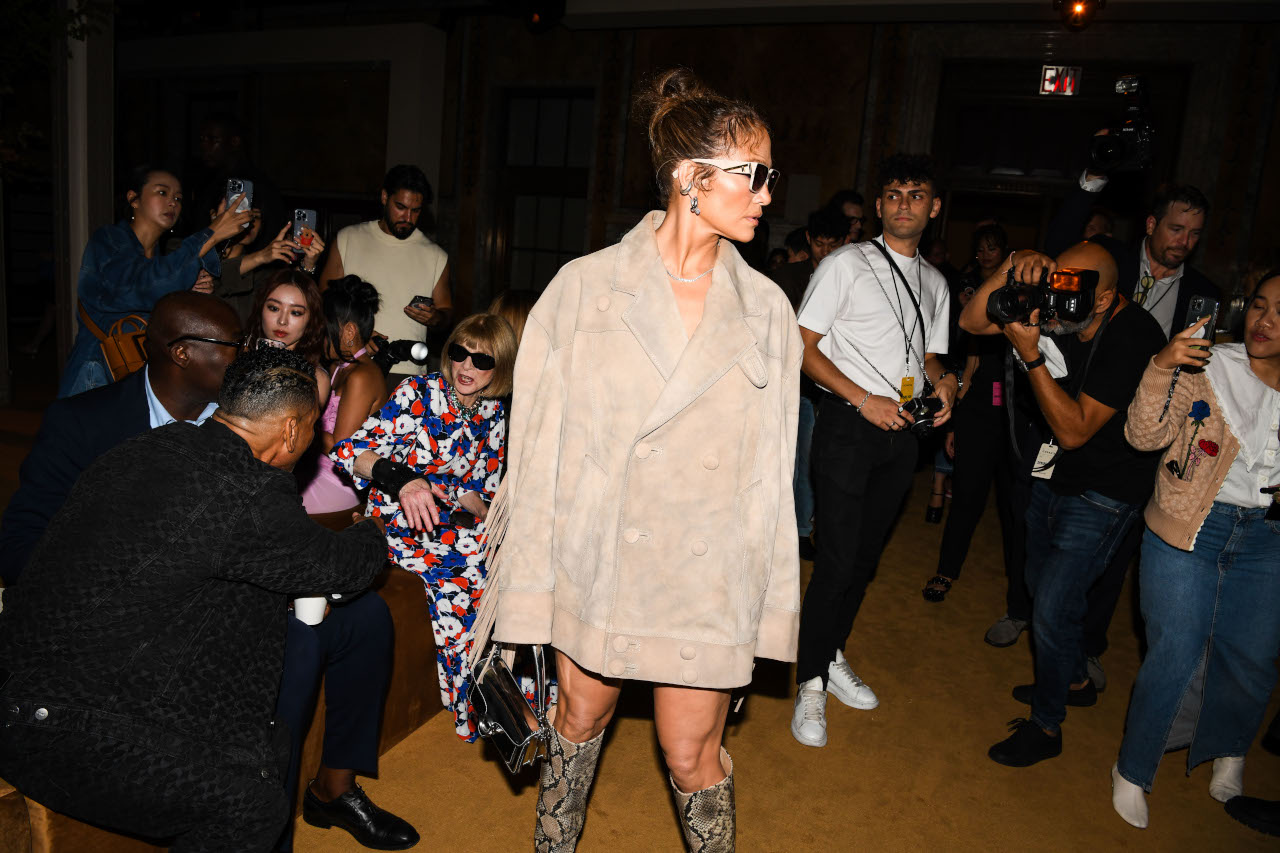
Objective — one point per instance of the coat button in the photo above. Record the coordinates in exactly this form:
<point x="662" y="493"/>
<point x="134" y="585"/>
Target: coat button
<point x="602" y="304"/>
<point x="631" y="535"/>
<point x="688" y="653"/>
<point x="620" y="644"/>
<point x="265" y="774"/>
<point x="42" y="713"/>
<point x="710" y="462"/>
<point x="643" y="451"/>
<point x="699" y="547"/>
<point x="617" y="667"/>
<point x="690" y="675"/>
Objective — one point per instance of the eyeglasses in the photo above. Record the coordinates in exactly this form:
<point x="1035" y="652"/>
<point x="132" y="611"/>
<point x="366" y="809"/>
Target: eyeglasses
<point x="1143" y="289"/>
<point x="761" y="175"/>
<point x="479" y="360"/>
<point x="181" y="338"/>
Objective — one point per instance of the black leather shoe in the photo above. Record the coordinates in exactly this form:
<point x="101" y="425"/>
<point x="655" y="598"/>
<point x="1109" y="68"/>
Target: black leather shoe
<point x="1081" y="697"/>
<point x="1262" y="815"/>
<point x="369" y="825"/>
<point x="933" y="514"/>
<point x="1027" y="745"/>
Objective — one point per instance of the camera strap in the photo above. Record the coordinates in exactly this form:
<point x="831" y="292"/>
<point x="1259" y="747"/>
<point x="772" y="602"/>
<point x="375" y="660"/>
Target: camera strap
<point x="908" y="337"/>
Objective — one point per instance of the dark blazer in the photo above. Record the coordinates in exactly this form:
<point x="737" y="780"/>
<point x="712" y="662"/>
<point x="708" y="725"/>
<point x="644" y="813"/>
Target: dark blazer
<point x="75" y="431"/>
<point x="159" y="592"/>
<point x="1065" y="230"/>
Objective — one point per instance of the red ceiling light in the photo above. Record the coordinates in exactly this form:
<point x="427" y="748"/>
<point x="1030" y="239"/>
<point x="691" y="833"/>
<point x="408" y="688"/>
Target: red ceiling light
<point x="1078" y="14"/>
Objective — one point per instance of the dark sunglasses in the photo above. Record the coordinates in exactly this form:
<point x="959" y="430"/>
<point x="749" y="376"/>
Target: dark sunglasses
<point x="758" y="173"/>
<point x="181" y="338"/>
<point x="479" y="360"/>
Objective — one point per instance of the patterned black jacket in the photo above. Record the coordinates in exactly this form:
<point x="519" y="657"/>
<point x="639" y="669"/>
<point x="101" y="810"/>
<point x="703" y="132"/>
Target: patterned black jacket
<point x="159" y="591"/>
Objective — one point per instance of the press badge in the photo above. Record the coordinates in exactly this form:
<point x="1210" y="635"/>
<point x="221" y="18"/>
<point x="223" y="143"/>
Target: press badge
<point x="1043" y="469"/>
<point x="908" y="389"/>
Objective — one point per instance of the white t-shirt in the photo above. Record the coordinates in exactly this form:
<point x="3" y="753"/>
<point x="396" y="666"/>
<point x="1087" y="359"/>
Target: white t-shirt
<point x="400" y="269"/>
<point x="857" y="303"/>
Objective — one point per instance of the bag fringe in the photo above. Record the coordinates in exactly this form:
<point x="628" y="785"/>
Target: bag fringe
<point x="495" y="528"/>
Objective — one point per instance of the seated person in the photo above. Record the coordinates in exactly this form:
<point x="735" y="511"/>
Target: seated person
<point x="190" y="341"/>
<point x="143" y="646"/>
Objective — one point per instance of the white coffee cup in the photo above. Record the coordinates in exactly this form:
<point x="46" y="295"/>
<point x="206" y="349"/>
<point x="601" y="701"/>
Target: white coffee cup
<point x="310" y="610"/>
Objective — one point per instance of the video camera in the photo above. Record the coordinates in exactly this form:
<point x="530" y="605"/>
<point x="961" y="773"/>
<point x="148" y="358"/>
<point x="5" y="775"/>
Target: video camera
<point x="1128" y="147"/>
<point x="391" y="353"/>
<point x="923" y="410"/>
<point x="1066" y="294"/>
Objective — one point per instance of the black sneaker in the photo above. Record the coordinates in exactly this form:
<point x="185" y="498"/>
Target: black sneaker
<point x="1081" y="697"/>
<point x="1262" y="815"/>
<point x="1027" y="745"/>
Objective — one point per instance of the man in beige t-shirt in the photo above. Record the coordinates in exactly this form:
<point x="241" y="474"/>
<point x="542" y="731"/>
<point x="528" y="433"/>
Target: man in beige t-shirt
<point x="395" y="257"/>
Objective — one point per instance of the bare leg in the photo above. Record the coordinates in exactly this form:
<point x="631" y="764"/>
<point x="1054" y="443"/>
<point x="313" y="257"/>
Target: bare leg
<point x="690" y="725"/>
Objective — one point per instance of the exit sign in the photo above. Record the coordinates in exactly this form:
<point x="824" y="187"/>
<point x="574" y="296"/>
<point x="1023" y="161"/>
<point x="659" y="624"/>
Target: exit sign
<point x="1059" y="79"/>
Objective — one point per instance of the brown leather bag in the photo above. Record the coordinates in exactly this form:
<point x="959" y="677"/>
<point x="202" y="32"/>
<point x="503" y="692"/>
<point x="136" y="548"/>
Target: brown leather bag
<point x="121" y="346"/>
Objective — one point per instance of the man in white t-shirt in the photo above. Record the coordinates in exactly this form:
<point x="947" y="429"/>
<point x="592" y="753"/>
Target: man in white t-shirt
<point x="874" y="317"/>
<point x="398" y="259"/>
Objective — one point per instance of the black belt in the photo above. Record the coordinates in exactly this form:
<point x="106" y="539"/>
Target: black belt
<point x="824" y="394"/>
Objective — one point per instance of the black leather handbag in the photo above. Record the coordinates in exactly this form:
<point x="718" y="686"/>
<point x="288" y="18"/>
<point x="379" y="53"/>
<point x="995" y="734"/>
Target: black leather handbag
<point x="521" y="733"/>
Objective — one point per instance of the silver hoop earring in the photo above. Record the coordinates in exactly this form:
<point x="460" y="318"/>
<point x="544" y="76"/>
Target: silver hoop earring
<point x="693" y="206"/>
<point x="685" y="190"/>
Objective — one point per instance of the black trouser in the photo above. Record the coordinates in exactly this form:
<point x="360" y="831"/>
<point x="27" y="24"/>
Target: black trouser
<point x="982" y="456"/>
<point x="351" y="650"/>
<point x="861" y="475"/>
<point x="121" y="773"/>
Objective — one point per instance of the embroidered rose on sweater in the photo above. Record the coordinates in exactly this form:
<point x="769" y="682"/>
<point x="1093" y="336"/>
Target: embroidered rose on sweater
<point x="1195" y="451"/>
<point x="1199" y="411"/>
<point x="1209" y="447"/>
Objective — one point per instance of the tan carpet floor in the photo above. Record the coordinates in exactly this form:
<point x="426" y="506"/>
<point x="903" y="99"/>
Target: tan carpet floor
<point x="911" y="775"/>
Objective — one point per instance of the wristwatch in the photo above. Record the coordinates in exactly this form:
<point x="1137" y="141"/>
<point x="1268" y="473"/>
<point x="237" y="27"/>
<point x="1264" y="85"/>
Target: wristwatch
<point x="959" y="379"/>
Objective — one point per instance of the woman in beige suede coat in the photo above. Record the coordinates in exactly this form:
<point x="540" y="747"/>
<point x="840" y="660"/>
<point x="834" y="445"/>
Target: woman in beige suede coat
<point x="651" y="532"/>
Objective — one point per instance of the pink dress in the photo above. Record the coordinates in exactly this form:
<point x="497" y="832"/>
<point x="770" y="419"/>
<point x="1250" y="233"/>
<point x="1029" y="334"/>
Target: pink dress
<point x="327" y="488"/>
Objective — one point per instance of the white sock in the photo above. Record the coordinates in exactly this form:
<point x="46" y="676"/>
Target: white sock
<point x="1128" y="799"/>
<point x="1228" y="778"/>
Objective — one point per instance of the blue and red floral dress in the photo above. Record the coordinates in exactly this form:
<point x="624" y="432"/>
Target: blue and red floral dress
<point x="420" y="427"/>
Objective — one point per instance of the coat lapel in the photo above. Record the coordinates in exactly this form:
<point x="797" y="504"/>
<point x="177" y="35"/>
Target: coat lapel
<point x="720" y="341"/>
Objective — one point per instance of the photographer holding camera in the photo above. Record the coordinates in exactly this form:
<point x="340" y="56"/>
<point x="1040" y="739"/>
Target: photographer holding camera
<point x="1090" y="484"/>
<point x="872" y="320"/>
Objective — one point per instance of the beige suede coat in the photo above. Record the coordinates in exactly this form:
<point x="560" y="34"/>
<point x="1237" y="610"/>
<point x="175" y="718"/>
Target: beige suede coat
<point x="650" y="528"/>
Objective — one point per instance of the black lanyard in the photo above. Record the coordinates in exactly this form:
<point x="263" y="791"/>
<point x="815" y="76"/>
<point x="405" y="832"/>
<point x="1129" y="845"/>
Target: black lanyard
<point x="915" y="303"/>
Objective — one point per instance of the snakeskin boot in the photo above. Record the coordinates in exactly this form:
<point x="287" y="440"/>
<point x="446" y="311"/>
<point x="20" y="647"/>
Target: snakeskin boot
<point x="707" y="816"/>
<point x="567" y="773"/>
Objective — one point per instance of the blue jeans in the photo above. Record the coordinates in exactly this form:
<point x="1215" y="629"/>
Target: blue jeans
<point x="1070" y="541"/>
<point x="1219" y="604"/>
<point x="802" y="486"/>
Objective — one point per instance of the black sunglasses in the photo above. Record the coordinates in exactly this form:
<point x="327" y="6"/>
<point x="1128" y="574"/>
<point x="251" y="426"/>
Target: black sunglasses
<point x="181" y="338"/>
<point x="479" y="360"/>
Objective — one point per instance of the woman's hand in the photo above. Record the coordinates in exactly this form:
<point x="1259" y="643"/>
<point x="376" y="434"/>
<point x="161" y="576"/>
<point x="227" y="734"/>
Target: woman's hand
<point x="418" y="505"/>
<point x="473" y="503"/>
<point x="949" y="444"/>
<point x="204" y="282"/>
<point x="1185" y="349"/>
<point x="312" y="247"/>
<point x="228" y="223"/>
<point x="282" y="248"/>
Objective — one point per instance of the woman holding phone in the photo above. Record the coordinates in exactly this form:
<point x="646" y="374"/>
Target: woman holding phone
<point x="650" y="534"/>
<point x="1211" y="555"/>
<point x="122" y="272"/>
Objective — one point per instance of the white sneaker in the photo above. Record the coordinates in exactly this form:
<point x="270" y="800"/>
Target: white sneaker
<point x="809" y="719"/>
<point x="1128" y="799"/>
<point x="843" y="684"/>
<point x="1228" y="778"/>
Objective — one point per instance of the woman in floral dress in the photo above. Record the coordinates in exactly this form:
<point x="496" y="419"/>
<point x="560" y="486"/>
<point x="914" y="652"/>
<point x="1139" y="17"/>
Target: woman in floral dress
<point x="434" y="456"/>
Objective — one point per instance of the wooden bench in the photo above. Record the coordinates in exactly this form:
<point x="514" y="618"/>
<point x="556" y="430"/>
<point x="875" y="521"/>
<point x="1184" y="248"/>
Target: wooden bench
<point x="413" y="697"/>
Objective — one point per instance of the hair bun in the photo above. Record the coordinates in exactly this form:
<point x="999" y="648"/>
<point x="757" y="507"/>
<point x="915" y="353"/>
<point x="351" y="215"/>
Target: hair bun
<point x="678" y="83"/>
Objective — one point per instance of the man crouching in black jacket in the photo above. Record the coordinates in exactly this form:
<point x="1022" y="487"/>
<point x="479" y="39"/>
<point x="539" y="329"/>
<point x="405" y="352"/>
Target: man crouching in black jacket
<point x="140" y="657"/>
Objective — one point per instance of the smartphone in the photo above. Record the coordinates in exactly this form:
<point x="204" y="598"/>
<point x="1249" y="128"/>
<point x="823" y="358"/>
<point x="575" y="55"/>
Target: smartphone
<point x="237" y="187"/>
<point x="1202" y="306"/>
<point x="422" y="300"/>
<point x="267" y="343"/>
<point x="303" y="218"/>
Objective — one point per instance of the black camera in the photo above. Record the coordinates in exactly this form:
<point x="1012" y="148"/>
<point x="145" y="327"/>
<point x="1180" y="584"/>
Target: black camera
<point x="924" y="410"/>
<point x="391" y="353"/>
<point x="1066" y="294"/>
<point x="1128" y="147"/>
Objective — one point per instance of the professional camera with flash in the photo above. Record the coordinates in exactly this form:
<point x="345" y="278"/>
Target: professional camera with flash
<point x="1127" y="148"/>
<point x="1066" y="294"/>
